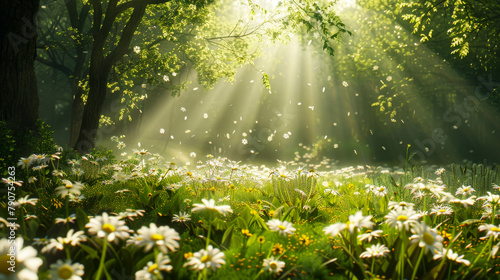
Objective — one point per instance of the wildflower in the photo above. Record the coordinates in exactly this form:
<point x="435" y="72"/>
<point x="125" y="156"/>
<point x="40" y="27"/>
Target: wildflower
<point x="451" y="256"/>
<point x="69" y="188"/>
<point x="277" y="249"/>
<point x="108" y="227"/>
<point x="491" y="199"/>
<point x="464" y="190"/>
<point x="72" y="238"/>
<point x="380" y="191"/>
<point x="57" y="173"/>
<point x="182" y="217"/>
<point x="370" y="235"/>
<point x="10" y="181"/>
<point x="26" y="260"/>
<point x="209" y="205"/>
<point x="285" y="228"/>
<point x="401" y="218"/>
<point x="65" y="270"/>
<point x="273" y="265"/>
<point x="492" y="230"/>
<point x="26" y="200"/>
<point x="24" y="162"/>
<point x="465" y="202"/>
<point x="152" y="269"/>
<point x="71" y="218"/>
<point x="427" y="237"/>
<point x="210" y="258"/>
<point x="246" y="232"/>
<point x="304" y="240"/>
<point x="130" y="214"/>
<point x="376" y="251"/>
<point x="137" y="49"/>
<point x="359" y="221"/>
<point x="163" y="237"/>
<point x="261" y="239"/>
<point x="441" y="210"/>
<point x="334" y="229"/>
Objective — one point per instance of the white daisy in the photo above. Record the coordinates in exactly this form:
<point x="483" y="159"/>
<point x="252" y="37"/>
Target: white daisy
<point x="209" y="205"/>
<point x="72" y="238"/>
<point x="65" y="270"/>
<point x="427" y="237"/>
<point x="358" y="221"/>
<point x="492" y="230"/>
<point x="211" y="258"/>
<point x="69" y="188"/>
<point x="285" y="228"/>
<point x="451" y="256"/>
<point x="273" y="265"/>
<point x="395" y="205"/>
<point x="402" y="218"/>
<point x="163" y="237"/>
<point x="25" y="260"/>
<point x="465" y="190"/>
<point x="377" y="251"/>
<point x="370" y="235"/>
<point x="108" y="227"/>
<point x="182" y="217"/>
<point x="334" y="229"/>
<point x="152" y="269"/>
<point x="441" y="210"/>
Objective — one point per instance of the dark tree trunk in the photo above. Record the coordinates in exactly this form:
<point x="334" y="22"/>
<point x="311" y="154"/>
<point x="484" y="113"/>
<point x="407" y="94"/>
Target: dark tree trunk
<point x="101" y="65"/>
<point x="76" y="112"/>
<point x="19" y="93"/>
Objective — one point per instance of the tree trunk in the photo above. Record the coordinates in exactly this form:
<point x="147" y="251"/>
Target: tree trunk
<point x="76" y="112"/>
<point x="19" y="96"/>
<point x="100" y="66"/>
<point x="89" y="133"/>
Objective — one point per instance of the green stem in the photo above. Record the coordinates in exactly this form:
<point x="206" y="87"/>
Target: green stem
<point x="493" y="213"/>
<point x="418" y="263"/>
<point x="103" y="258"/>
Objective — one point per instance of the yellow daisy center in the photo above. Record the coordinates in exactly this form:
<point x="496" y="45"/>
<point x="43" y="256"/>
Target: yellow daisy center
<point x="108" y="228"/>
<point x="273" y="265"/>
<point x="496" y="229"/>
<point x="381" y="189"/>
<point x="206" y="258"/>
<point x="65" y="272"/>
<point x="69" y="186"/>
<point x="466" y="189"/>
<point x="281" y="227"/>
<point x="4" y="267"/>
<point x="442" y="210"/>
<point x="428" y="238"/>
<point x="402" y="218"/>
<point x="152" y="268"/>
<point x="157" y="237"/>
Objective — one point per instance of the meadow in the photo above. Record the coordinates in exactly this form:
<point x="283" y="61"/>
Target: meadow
<point x="95" y="217"/>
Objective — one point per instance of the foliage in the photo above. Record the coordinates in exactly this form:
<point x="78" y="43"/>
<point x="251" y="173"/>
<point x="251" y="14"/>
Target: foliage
<point x="359" y="201"/>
